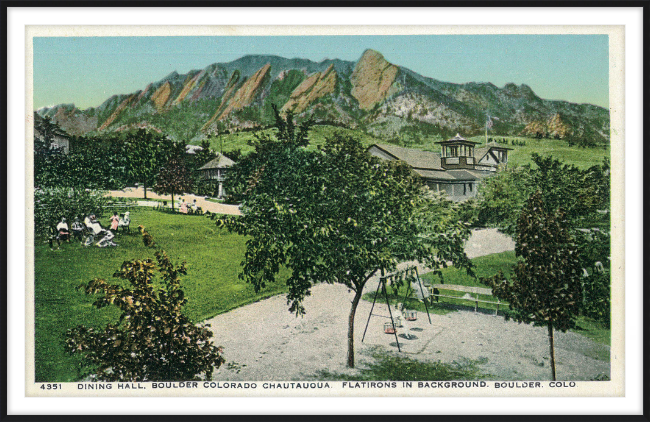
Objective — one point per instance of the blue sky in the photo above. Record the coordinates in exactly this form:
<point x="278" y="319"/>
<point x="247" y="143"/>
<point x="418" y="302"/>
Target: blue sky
<point x="86" y="71"/>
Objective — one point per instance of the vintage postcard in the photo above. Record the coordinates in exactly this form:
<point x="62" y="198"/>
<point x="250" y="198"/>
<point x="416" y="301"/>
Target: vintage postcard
<point x="325" y="211"/>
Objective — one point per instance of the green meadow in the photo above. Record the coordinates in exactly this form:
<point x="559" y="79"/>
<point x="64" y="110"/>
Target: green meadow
<point x="582" y="158"/>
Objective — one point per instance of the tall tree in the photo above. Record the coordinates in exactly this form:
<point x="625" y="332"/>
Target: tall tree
<point x="583" y="194"/>
<point x="546" y="286"/>
<point x="146" y="153"/>
<point x="336" y="215"/>
<point x="174" y="178"/>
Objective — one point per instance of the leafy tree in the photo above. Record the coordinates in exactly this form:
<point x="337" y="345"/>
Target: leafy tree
<point x="581" y="193"/>
<point x="546" y="286"/>
<point x="241" y="177"/>
<point x="336" y="215"/>
<point x="501" y="198"/>
<point x="204" y="155"/>
<point x="50" y="164"/>
<point x="146" y="153"/>
<point x="99" y="162"/>
<point x="174" y="178"/>
<point x="153" y="340"/>
<point x="584" y="195"/>
<point x="234" y="154"/>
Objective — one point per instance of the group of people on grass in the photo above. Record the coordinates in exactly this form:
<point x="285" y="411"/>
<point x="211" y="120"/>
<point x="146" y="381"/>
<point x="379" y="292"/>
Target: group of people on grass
<point x="93" y="228"/>
<point x="188" y="208"/>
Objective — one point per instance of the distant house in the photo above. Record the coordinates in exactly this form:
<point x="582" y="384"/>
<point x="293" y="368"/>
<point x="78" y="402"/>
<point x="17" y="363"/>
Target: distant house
<point x="193" y="149"/>
<point x="215" y="170"/>
<point x="457" y="170"/>
<point x="45" y="128"/>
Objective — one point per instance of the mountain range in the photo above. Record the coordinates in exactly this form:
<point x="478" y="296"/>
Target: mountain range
<point x="371" y="94"/>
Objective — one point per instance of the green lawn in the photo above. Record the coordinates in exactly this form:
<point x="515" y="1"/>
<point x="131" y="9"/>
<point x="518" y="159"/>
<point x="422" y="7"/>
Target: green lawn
<point x="212" y="286"/>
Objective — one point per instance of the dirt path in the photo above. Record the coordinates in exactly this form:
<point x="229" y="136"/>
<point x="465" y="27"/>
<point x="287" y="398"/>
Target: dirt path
<point x="200" y="200"/>
<point x="263" y="341"/>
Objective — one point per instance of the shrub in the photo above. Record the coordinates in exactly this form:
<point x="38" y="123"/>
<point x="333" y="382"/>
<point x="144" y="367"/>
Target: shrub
<point x="50" y="204"/>
<point x="153" y="340"/>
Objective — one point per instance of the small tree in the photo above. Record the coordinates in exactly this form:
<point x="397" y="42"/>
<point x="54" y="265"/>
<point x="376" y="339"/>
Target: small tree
<point x="337" y="215"/>
<point x="174" y="178"/>
<point x="546" y="287"/>
<point x="153" y="340"/>
<point x="50" y="204"/>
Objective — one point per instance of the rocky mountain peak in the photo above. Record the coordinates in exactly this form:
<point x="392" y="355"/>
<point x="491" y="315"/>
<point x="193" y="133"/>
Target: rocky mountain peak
<point x="372" y="78"/>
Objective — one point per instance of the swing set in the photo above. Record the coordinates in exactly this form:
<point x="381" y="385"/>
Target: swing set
<point x="396" y="280"/>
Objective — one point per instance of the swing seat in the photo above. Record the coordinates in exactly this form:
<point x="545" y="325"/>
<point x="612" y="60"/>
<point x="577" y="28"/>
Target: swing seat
<point x="410" y="315"/>
<point x="389" y="329"/>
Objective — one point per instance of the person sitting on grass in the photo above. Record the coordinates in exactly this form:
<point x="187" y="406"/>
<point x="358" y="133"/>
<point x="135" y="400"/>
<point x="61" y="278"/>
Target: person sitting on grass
<point x="77" y="229"/>
<point x="91" y="235"/>
<point x="94" y="227"/>
<point x="88" y="220"/>
<point x="63" y="232"/>
<point x="99" y="230"/>
<point x="125" y="221"/>
<point x="115" y="220"/>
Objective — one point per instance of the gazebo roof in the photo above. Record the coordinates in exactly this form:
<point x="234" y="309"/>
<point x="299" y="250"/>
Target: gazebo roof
<point x="218" y="163"/>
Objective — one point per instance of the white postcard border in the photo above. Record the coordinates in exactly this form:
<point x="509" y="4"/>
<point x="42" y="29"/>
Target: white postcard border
<point x="632" y="129"/>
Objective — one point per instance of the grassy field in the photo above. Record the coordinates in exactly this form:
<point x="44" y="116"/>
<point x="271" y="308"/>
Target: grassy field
<point x="580" y="157"/>
<point x="213" y="256"/>
<point x="486" y="266"/>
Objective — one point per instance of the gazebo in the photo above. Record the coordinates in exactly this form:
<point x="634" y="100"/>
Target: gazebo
<point x="215" y="170"/>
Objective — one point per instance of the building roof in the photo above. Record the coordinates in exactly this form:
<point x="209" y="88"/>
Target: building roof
<point x="193" y="149"/>
<point x="452" y="175"/>
<point x="457" y="140"/>
<point x="415" y="158"/>
<point x="481" y="151"/>
<point x="464" y="175"/>
<point x="218" y="163"/>
<point x="435" y="175"/>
